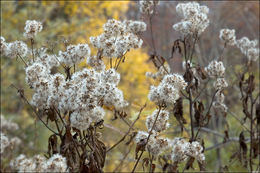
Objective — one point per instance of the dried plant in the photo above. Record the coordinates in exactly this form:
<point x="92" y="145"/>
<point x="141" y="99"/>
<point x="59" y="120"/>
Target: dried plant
<point x="74" y="99"/>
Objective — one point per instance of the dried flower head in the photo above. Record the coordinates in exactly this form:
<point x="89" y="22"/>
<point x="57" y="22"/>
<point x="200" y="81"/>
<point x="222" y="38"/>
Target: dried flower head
<point x="248" y="48"/>
<point x="4" y="142"/>
<point x="57" y="163"/>
<point x="74" y="54"/>
<point x="215" y="69"/>
<point x="167" y="92"/>
<point x="16" y="48"/>
<point x="220" y="83"/>
<point x="146" y="6"/>
<point x="118" y="37"/>
<point x="32" y="27"/>
<point x="161" y="123"/>
<point x="195" y="19"/>
<point x="228" y="36"/>
<point x="3" y="46"/>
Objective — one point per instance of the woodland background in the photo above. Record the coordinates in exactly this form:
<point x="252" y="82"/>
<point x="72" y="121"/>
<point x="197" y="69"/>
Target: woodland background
<point x="77" y="21"/>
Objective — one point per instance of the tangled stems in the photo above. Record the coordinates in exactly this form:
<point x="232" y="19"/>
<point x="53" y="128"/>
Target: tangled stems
<point x="130" y="128"/>
<point x="23" y="97"/>
<point x="147" y="140"/>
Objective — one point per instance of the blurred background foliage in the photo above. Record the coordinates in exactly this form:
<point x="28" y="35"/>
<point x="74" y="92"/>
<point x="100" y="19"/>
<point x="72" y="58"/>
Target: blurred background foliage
<point x="77" y="21"/>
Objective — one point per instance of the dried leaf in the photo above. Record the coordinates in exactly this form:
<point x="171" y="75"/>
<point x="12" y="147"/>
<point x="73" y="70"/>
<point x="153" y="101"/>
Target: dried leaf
<point x="132" y="136"/>
<point x="188" y="76"/>
<point x="201" y="72"/>
<point x="243" y="147"/>
<point x="51" y="114"/>
<point x="153" y="167"/>
<point x="178" y="112"/>
<point x="257" y="114"/>
<point x="226" y="136"/>
<point x="189" y="163"/>
<point x="100" y="153"/>
<point x="52" y="145"/>
<point x="202" y="166"/>
<point x="251" y="84"/>
<point x="140" y="146"/>
<point x="145" y="163"/>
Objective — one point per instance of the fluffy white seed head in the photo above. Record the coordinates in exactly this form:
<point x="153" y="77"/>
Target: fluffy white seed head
<point x="4" y="142"/>
<point x="167" y="92"/>
<point x="253" y="54"/>
<point x="146" y="6"/>
<point x="80" y="120"/>
<point x="8" y="125"/>
<point x="182" y="149"/>
<point x="215" y="69"/>
<point x="118" y="37"/>
<point x="57" y="163"/>
<point x="3" y="46"/>
<point x="176" y="80"/>
<point x="248" y="48"/>
<point x="195" y="19"/>
<point x="74" y="54"/>
<point x="228" y="36"/>
<point x="16" y="48"/>
<point x="220" y="83"/>
<point x="161" y="123"/>
<point x="32" y="27"/>
<point x="155" y="145"/>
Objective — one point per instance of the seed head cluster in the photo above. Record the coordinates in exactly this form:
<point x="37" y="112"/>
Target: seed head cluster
<point x="195" y="19"/>
<point x="74" y="54"/>
<point x="249" y="48"/>
<point x="160" y="73"/>
<point x="6" y="141"/>
<point x="32" y="28"/>
<point x="181" y="150"/>
<point x="167" y="92"/>
<point x="118" y="37"/>
<point x="56" y="163"/>
<point x="215" y="69"/>
<point x="13" y="49"/>
<point x="228" y="36"/>
<point x="161" y="124"/>
<point x="84" y="92"/>
<point x="146" y="6"/>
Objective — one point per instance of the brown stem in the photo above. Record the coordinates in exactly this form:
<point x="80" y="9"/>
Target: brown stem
<point x="196" y="98"/>
<point x="111" y="63"/>
<point x="191" y="114"/>
<point x="122" y="160"/>
<point x="23" y="97"/>
<point x="206" y="113"/>
<point x="251" y="134"/>
<point x="151" y="164"/>
<point x="130" y="128"/>
<point x="193" y="48"/>
<point x="151" y="31"/>
<point x="32" y="42"/>
<point x="23" y="60"/>
<point x="58" y="128"/>
<point x="150" y="132"/>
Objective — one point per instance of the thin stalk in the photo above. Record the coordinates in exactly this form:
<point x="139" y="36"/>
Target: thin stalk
<point x="23" y="97"/>
<point x="191" y="114"/>
<point x="251" y="134"/>
<point x="130" y="128"/>
<point x="23" y="60"/>
<point x="32" y="42"/>
<point x="206" y="113"/>
<point x="150" y="132"/>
